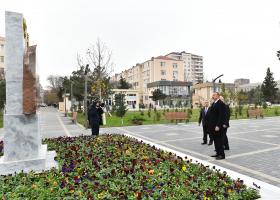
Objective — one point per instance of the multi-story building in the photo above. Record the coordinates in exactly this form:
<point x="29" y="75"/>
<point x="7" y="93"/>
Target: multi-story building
<point x="180" y="91"/>
<point x="160" y="68"/>
<point x="204" y="91"/>
<point x="193" y="66"/>
<point x="241" y="81"/>
<point x="2" y="57"/>
<point x="156" y="69"/>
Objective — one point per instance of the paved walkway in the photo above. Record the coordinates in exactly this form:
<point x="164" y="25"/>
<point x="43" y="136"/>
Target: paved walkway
<point x="254" y="144"/>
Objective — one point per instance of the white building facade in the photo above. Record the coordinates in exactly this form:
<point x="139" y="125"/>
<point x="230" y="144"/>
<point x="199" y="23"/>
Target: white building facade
<point x="193" y="66"/>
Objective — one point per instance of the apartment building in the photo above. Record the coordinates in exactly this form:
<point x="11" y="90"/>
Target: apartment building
<point x="179" y="90"/>
<point x="159" y="68"/>
<point x="193" y="66"/>
<point x="241" y="81"/>
<point x="204" y="91"/>
<point x="2" y="57"/>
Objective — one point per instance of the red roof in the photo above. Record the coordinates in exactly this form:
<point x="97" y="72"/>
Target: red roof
<point x="164" y="58"/>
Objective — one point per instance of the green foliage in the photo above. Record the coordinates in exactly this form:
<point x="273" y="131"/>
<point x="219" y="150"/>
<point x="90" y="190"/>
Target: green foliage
<point x="157" y="116"/>
<point x="240" y="108"/>
<point x="268" y="87"/>
<point x="276" y="112"/>
<point x="158" y="95"/>
<point x="123" y="84"/>
<point x="224" y="93"/>
<point x="264" y="105"/>
<point x="242" y="97"/>
<point x="189" y="113"/>
<point x="119" y="106"/>
<point x="149" y="113"/>
<point x="137" y="120"/>
<point x="231" y="110"/>
<point x="2" y="94"/>
<point x="235" y="112"/>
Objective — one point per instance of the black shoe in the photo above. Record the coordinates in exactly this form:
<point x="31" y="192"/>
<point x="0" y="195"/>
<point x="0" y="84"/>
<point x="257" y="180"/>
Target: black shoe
<point x="220" y="157"/>
<point x="204" y="143"/>
<point x="215" y="155"/>
<point x="226" y="148"/>
<point x="210" y="143"/>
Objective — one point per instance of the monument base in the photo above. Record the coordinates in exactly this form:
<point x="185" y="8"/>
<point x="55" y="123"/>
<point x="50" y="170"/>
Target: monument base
<point x="44" y="161"/>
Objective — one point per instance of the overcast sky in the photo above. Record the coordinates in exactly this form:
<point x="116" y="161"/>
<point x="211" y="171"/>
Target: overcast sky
<point x="238" y="38"/>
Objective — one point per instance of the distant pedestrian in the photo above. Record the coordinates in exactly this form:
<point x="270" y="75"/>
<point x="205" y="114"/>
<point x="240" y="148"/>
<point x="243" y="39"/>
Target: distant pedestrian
<point x="216" y="119"/>
<point x="225" y="124"/>
<point x="94" y="119"/>
<point x="204" y="118"/>
<point x="100" y="111"/>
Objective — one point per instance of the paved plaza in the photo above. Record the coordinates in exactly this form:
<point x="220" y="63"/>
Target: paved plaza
<point x="254" y="144"/>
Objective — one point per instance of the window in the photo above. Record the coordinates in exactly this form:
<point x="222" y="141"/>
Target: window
<point x="163" y="72"/>
<point x="162" y="64"/>
<point x="2" y="59"/>
<point x="2" y="46"/>
<point x="175" y="66"/>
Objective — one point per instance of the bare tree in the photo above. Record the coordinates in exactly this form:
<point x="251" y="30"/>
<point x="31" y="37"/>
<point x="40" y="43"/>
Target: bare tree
<point x="99" y="58"/>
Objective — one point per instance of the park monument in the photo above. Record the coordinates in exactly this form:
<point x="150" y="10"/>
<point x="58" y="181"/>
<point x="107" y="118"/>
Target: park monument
<point x="23" y="149"/>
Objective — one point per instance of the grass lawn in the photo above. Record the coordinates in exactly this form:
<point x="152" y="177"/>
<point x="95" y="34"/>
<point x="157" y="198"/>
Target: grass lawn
<point x="115" y="121"/>
<point x="119" y="167"/>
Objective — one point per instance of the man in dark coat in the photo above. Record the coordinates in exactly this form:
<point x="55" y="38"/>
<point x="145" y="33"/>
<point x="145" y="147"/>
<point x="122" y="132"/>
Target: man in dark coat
<point x="204" y="118"/>
<point x="226" y="124"/>
<point x="100" y="111"/>
<point x="94" y="119"/>
<point x="216" y="120"/>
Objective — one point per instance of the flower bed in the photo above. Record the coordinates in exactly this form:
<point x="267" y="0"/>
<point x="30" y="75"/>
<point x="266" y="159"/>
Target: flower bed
<point x="118" y="167"/>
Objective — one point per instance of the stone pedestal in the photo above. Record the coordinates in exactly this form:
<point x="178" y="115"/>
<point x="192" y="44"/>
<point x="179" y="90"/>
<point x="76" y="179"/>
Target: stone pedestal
<point x="23" y="150"/>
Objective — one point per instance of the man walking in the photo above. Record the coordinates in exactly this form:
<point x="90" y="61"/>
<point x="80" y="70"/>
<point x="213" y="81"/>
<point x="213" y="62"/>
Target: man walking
<point x="225" y="124"/>
<point x="204" y="118"/>
<point x="216" y="119"/>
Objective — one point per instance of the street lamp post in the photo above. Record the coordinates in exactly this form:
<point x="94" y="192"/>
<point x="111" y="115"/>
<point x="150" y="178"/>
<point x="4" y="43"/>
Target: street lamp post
<point x="214" y="87"/>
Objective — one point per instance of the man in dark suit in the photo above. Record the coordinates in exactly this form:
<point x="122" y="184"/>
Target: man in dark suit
<point x="204" y="118"/>
<point x="216" y="120"/>
<point x="226" y="124"/>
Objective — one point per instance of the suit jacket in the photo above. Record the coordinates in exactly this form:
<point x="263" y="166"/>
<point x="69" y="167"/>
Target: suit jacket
<point x="217" y="115"/>
<point x="93" y="115"/>
<point x="204" y="117"/>
<point x="227" y="115"/>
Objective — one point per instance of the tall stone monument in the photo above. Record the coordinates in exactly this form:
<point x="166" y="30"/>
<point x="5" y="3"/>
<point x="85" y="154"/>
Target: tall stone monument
<point x="23" y="150"/>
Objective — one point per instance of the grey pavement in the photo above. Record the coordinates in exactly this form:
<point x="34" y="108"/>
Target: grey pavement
<point x="254" y="144"/>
